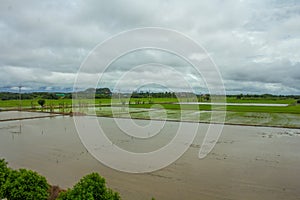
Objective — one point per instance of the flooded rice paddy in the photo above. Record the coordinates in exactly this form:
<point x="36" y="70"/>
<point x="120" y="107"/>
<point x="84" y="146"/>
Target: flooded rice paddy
<point x="236" y="104"/>
<point x="247" y="162"/>
<point x="239" y="118"/>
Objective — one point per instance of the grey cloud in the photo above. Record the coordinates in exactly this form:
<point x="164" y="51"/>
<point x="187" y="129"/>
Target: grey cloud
<point x="43" y="43"/>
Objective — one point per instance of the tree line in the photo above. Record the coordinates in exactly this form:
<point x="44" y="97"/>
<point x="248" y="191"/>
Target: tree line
<point x="106" y="93"/>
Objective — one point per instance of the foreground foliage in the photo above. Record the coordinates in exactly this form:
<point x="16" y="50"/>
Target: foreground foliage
<point x="25" y="184"/>
<point x="4" y="173"/>
<point x="21" y="184"/>
<point x="90" y="187"/>
<point x="28" y="185"/>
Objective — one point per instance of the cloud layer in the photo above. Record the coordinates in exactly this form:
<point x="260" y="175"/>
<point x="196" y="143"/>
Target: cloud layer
<point x="254" y="43"/>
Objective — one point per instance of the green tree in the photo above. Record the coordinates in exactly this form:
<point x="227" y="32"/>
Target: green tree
<point x="4" y="172"/>
<point x="41" y="102"/>
<point x="26" y="185"/>
<point x="90" y="187"/>
<point x="240" y="96"/>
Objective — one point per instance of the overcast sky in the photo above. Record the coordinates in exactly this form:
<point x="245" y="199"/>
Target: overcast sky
<point x="255" y="43"/>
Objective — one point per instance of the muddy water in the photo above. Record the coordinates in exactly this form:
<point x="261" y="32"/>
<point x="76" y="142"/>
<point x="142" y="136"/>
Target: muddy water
<point x="9" y="115"/>
<point x="246" y="163"/>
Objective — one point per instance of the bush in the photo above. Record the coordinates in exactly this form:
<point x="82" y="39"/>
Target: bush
<point x="41" y="102"/>
<point x="28" y="185"/>
<point x="4" y="172"/>
<point x="25" y="184"/>
<point x="90" y="187"/>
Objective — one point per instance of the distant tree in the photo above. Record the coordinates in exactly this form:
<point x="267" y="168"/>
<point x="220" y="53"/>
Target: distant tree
<point x="267" y="96"/>
<point x="103" y="91"/>
<point x="298" y="101"/>
<point x="41" y="102"/>
<point x="240" y="96"/>
<point x="207" y="97"/>
<point x="91" y="187"/>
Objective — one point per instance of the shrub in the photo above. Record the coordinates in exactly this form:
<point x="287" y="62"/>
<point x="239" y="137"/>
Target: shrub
<point x="90" y="187"/>
<point x="4" y="172"/>
<point x="25" y="184"/>
<point x="28" y="185"/>
<point x="41" y="102"/>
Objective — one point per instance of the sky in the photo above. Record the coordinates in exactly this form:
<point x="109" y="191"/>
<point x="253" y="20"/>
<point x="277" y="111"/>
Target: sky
<point x="255" y="44"/>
